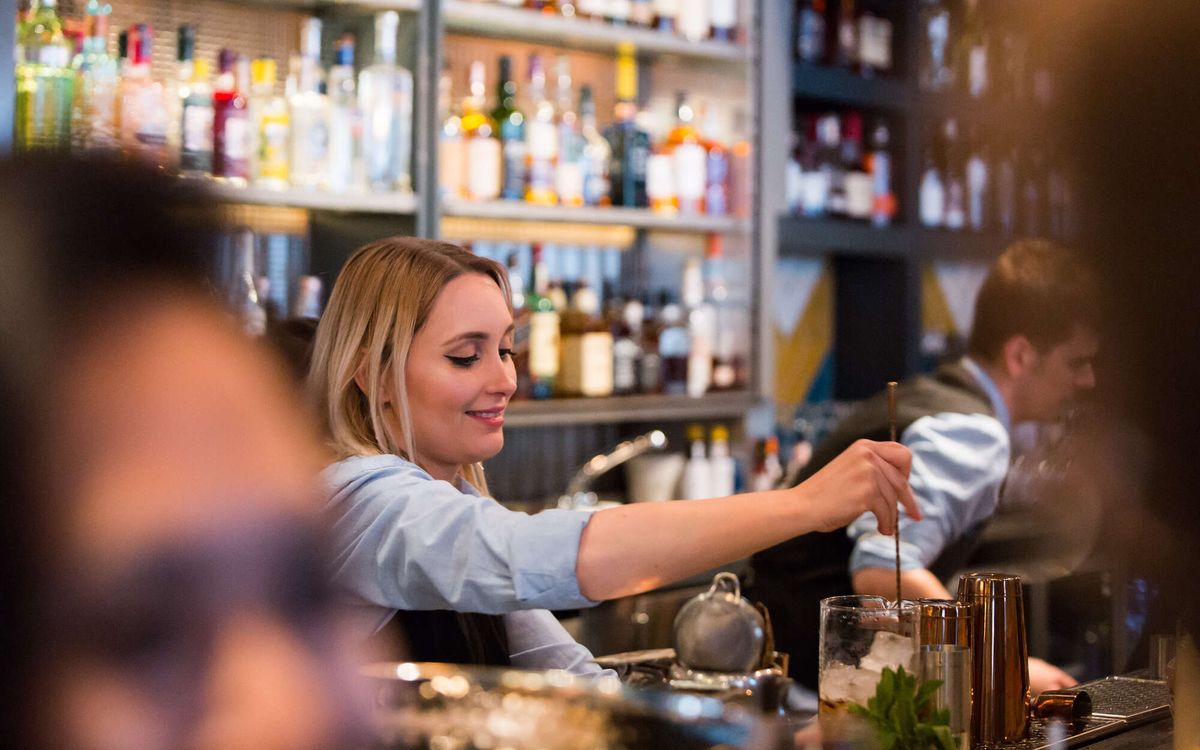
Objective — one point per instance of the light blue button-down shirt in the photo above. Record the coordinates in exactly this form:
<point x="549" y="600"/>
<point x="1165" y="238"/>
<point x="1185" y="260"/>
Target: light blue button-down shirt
<point x="958" y="465"/>
<point x="403" y="540"/>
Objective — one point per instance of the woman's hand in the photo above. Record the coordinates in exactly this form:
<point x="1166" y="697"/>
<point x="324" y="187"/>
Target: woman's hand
<point x="867" y="476"/>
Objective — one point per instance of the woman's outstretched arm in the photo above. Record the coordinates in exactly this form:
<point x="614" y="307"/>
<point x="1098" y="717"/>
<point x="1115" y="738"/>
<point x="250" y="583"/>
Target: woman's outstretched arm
<point x="635" y="548"/>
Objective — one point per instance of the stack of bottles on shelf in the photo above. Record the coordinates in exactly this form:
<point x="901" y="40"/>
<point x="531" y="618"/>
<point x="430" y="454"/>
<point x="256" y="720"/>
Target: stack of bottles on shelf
<point x="994" y="184"/>
<point x="261" y="277"/>
<point x="330" y="130"/>
<point x="846" y="34"/>
<point x="836" y="171"/>
<point x="974" y="49"/>
<point x="712" y="471"/>
<point x="578" y="335"/>
<point x="552" y="151"/>
<point x="694" y="20"/>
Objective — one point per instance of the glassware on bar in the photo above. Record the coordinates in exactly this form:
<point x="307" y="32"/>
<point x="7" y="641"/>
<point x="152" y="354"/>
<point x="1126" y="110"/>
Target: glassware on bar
<point x="860" y="637"/>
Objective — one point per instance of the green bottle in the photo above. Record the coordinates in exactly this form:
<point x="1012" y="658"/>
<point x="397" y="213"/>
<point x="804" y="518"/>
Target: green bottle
<point x="45" y="81"/>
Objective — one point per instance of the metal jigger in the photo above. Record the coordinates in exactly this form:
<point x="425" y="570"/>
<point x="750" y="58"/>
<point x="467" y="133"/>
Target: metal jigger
<point x="1000" y="696"/>
<point x="944" y="653"/>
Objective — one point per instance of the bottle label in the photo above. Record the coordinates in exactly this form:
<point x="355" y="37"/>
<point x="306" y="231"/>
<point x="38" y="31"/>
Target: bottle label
<point x="237" y="137"/>
<point x="514" y="169"/>
<point x="483" y="168"/>
<point x="450" y="165"/>
<point x="723" y="13"/>
<point x="272" y="148"/>
<point x="568" y="181"/>
<point x="666" y="8"/>
<point x="543" y="344"/>
<point x="875" y="42"/>
<point x="660" y="177"/>
<point x="625" y="365"/>
<point x="543" y="140"/>
<point x="596" y="357"/>
<point x="196" y="138"/>
<point x="859" y="196"/>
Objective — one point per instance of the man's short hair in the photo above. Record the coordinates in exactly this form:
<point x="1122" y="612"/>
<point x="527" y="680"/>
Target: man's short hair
<point x="1038" y="289"/>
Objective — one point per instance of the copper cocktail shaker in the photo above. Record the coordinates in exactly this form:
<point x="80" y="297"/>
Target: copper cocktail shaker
<point x="1000" y="694"/>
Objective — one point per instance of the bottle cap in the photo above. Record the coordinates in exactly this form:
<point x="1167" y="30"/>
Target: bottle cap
<point x="263" y="70"/>
<point x="695" y="432"/>
<point x="344" y="53"/>
<point x="719" y="433"/>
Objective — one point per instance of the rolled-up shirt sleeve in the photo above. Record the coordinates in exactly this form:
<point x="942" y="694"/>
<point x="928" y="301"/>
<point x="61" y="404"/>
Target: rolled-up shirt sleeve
<point x="403" y="540"/>
<point x="958" y="464"/>
<point x="536" y="640"/>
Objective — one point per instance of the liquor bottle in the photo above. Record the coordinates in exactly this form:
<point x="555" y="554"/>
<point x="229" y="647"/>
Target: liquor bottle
<point x="482" y="148"/>
<point x="641" y="13"/>
<point x="723" y="15"/>
<point x="596" y="155"/>
<point x="741" y="168"/>
<point x="542" y="139"/>
<point x="665" y="14"/>
<point x="767" y="469"/>
<point x="978" y="183"/>
<point x="185" y="53"/>
<point x="196" y="123"/>
<point x="650" y="371"/>
<point x="693" y="23"/>
<point x="934" y="72"/>
<point x="1006" y="188"/>
<point x="143" y="102"/>
<point x="45" y="81"/>
<point x="543" y="332"/>
<point x="618" y="11"/>
<point x="521" y="322"/>
<point x="688" y="159"/>
<point x="271" y="126"/>
<point x="1033" y="192"/>
<point x="232" y="129"/>
<point x="931" y="198"/>
<point x="511" y="124"/>
<point x="630" y="144"/>
<point x="97" y="78"/>
<point x="626" y="324"/>
<point x="883" y="199"/>
<point x="674" y="346"/>
<point x="721" y="465"/>
<point x="700" y="328"/>
<point x="548" y="7"/>
<point x="247" y="303"/>
<point x="385" y="97"/>
<point x="587" y="347"/>
<point x="874" y="43"/>
<point x="452" y="164"/>
<point x="591" y="9"/>
<point x="568" y="172"/>
<point x="810" y="31"/>
<point x="845" y="53"/>
<point x="726" y="354"/>
<point x="696" y="482"/>
<point x="308" y="114"/>
<point x="307" y="303"/>
<point x="345" y="122"/>
<point x="716" y="166"/>
<point x="954" y="176"/>
<point x="857" y="182"/>
<point x="973" y="52"/>
<point x="831" y="172"/>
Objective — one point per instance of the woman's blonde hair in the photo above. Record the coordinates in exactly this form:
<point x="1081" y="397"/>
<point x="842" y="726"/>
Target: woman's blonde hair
<point x="382" y="297"/>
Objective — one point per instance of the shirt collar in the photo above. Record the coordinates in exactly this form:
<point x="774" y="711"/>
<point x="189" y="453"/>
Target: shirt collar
<point x="989" y="387"/>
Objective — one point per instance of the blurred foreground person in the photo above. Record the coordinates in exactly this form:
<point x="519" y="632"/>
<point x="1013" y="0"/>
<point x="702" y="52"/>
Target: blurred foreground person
<point x="175" y="594"/>
<point x="1129" y="123"/>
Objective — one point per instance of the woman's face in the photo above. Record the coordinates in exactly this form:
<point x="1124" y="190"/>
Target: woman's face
<point x="460" y="376"/>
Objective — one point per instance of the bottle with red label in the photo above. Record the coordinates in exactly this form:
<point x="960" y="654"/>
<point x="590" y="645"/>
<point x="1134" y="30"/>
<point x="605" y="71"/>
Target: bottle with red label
<point x="231" y="121"/>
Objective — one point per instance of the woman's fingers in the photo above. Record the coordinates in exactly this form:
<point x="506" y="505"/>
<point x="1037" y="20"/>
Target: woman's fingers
<point x="884" y="505"/>
<point x="895" y="461"/>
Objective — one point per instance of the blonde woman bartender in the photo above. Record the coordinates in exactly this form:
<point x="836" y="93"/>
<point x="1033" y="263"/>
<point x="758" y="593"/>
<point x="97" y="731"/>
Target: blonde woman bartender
<point x="412" y="371"/>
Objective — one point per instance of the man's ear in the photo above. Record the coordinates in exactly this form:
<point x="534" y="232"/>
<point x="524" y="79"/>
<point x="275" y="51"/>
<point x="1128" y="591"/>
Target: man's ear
<point x="1019" y="355"/>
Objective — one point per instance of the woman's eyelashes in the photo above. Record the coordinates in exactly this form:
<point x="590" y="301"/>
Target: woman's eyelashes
<point x="470" y="359"/>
